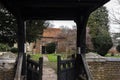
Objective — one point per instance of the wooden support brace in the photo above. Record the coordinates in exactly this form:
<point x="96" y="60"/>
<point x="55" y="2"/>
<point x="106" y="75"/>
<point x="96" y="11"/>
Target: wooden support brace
<point x="81" y="65"/>
<point x="21" y="41"/>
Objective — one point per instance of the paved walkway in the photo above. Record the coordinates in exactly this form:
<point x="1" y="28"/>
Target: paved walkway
<point x="48" y="73"/>
<point x="45" y="58"/>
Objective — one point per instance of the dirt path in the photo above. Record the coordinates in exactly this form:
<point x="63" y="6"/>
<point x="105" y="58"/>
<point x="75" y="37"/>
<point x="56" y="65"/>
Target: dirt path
<point x="48" y="73"/>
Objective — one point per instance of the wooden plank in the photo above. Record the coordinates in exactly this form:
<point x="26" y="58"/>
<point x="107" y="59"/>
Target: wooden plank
<point x="19" y="68"/>
<point x="21" y="40"/>
<point x="65" y="68"/>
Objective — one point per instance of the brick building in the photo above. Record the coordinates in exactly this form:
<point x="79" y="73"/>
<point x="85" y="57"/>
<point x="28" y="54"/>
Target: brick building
<point x="49" y="35"/>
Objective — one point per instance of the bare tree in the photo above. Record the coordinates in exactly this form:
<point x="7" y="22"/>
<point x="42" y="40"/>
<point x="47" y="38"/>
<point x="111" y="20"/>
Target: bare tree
<point x="115" y="14"/>
<point x="70" y="39"/>
<point x="114" y="17"/>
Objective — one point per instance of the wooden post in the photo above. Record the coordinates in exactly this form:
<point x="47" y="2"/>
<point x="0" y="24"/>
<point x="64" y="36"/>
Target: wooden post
<point x="40" y="68"/>
<point x="81" y="33"/>
<point x="58" y="67"/>
<point x="21" y="41"/>
<point x="81" y="45"/>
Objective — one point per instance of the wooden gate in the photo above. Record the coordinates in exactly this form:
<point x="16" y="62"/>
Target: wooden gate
<point x="66" y="69"/>
<point x="34" y="69"/>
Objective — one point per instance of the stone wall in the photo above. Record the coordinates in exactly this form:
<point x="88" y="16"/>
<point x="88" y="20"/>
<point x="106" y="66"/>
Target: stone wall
<point x="105" y="70"/>
<point x="6" y="74"/>
<point x="7" y="62"/>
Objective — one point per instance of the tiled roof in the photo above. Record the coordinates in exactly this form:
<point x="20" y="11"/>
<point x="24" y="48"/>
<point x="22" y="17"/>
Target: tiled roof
<point x="51" y="32"/>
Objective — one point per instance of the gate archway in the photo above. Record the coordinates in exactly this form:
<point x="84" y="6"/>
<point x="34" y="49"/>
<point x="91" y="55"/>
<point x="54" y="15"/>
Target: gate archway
<point x="77" y="10"/>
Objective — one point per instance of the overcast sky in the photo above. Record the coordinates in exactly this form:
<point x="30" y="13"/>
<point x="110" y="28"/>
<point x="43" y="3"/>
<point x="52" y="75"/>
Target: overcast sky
<point x="112" y="5"/>
<point x="59" y="23"/>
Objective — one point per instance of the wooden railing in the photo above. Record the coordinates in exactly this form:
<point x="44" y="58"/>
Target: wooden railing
<point x="82" y="70"/>
<point x="75" y="68"/>
<point x="88" y="73"/>
<point x="66" y="69"/>
<point x="19" y="67"/>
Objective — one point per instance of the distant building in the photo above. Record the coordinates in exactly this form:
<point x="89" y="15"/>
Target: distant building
<point x="49" y="35"/>
<point x="66" y="42"/>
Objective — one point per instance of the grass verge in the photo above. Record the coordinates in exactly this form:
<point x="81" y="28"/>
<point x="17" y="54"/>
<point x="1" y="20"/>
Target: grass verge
<point x="115" y="55"/>
<point x="52" y="57"/>
<point x="35" y="56"/>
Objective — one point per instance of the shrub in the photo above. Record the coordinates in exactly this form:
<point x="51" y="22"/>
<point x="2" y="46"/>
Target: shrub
<point x="118" y="48"/>
<point x="14" y="50"/>
<point x="4" y="47"/>
<point x="102" y="43"/>
<point x="50" y="48"/>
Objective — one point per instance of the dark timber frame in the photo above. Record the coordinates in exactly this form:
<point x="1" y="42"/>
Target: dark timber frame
<point x="21" y="41"/>
<point x="34" y="69"/>
<point x="77" y="10"/>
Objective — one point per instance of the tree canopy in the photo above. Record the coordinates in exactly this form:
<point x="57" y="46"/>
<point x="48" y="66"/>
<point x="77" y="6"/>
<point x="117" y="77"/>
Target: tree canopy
<point x="34" y="29"/>
<point x="8" y="28"/>
<point x="99" y="30"/>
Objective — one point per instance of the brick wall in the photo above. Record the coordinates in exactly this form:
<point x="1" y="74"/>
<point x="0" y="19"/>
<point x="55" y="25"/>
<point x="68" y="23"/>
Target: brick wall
<point x="105" y="70"/>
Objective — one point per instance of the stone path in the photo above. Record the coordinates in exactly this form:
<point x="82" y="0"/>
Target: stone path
<point x="45" y="58"/>
<point x="48" y="73"/>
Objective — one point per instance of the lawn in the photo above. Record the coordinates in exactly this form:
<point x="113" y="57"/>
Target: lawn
<point x="52" y="57"/>
<point x="35" y="56"/>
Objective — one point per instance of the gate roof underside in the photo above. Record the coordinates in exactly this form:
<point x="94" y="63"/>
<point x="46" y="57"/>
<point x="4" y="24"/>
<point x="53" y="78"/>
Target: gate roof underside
<point x="52" y="9"/>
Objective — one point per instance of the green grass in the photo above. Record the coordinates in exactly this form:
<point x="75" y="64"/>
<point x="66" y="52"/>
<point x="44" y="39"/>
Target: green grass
<point x="115" y="55"/>
<point x="35" y="56"/>
<point x="52" y="57"/>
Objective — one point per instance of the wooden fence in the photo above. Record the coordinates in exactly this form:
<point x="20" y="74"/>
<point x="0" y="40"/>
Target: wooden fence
<point x="34" y="69"/>
<point x="66" y="69"/>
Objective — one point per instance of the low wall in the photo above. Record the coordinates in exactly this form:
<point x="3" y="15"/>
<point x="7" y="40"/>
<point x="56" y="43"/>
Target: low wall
<point x="6" y="74"/>
<point x="107" y="69"/>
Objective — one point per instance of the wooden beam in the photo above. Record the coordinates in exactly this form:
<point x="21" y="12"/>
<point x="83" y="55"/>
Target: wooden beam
<point x="1" y="5"/>
<point x="81" y="33"/>
<point x="82" y="71"/>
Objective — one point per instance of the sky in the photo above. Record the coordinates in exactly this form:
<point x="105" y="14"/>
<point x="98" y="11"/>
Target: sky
<point x="59" y="23"/>
<point x="111" y="5"/>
